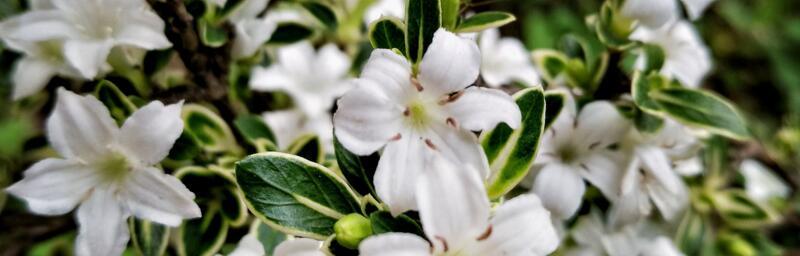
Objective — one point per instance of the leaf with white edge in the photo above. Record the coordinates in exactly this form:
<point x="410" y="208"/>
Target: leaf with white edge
<point x="641" y="86"/>
<point x="210" y="34"/>
<point x="256" y="132"/>
<point x="611" y="28"/>
<point x="294" y="195"/>
<point x="202" y="236"/>
<point x="308" y="146"/>
<point x="647" y="123"/>
<point x="551" y="62"/>
<point x="269" y="237"/>
<point x="654" y="57"/>
<point x="289" y="33"/>
<point x="210" y="131"/>
<point x="423" y="18"/>
<point x="485" y="20"/>
<point x="701" y="109"/>
<point x="322" y="12"/>
<point x="388" y="33"/>
<point x="149" y="239"/>
<point x="358" y="170"/>
<point x="739" y="211"/>
<point x="554" y="102"/>
<point x="117" y="103"/>
<point x="229" y="7"/>
<point x="511" y="152"/>
<point x="215" y="186"/>
<point x="695" y="235"/>
<point x="450" y="10"/>
<point x="383" y="222"/>
<point x="185" y="147"/>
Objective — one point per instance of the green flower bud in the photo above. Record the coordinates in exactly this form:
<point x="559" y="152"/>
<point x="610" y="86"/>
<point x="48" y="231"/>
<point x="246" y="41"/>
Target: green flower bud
<point x="351" y="229"/>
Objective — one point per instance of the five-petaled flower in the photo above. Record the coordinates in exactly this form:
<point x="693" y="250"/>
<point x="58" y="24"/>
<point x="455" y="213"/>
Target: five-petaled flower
<point x="505" y="60"/>
<point x="407" y="112"/>
<point x="108" y="171"/>
<point x="455" y="214"/>
<point x="686" y="57"/>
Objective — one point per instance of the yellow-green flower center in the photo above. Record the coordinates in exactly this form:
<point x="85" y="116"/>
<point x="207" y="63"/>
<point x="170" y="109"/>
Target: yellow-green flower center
<point x="416" y="116"/>
<point x="114" y="167"/>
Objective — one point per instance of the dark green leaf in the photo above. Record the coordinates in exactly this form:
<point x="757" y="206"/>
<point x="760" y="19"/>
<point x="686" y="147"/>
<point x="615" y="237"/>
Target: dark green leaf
<point x="203" y="236"/>
<point x="322" y="12"/>
<point x="209" y="130"/>
<point x="294" y="195"/>
<point x="269" y="238"/>
<point x="149" y="239"/>
<point x="612" y="28"/>
<point x="641" y="86"/>
<point x="554" y="101"/>
<point x="647" y="123"/>
<point x="185" y="147"/>
<point x="423" y="18"/>
<point x="217" y="187"/>
<point x="290" y="32"/>
<point x="485" y="20"/>
<point x="118" y="105"/>
<point x="388" y="33"/>
<point x="695" y="235"/>
<point x="309" y="147"/>
<point x="358" y="170"/>
<point x="211" y="35"/>
<point x="701" y="109"/>
<point x="739" y="211"/>
<point x="654" y="57"/>
<point x="552" y="62"/>
<point x="254" y="130"/>
<point x="450" y="13"/>
<point x="383" y="222"/>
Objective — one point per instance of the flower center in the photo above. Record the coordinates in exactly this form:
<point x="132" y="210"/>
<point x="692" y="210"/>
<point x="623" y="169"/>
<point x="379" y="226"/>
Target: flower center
<point x="114" y="167"/>
<point x="416" y="116"/>
<point x="568" y="154"/>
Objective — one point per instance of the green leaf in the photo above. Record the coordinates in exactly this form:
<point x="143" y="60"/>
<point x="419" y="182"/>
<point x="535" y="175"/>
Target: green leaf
<point x="186" y="147"/>
<point x="647" y="123"/>
<point x="450" y="13"/>
<point x="554" y="102"/>
<point x="654" y="57"/>
<point x="552" y="63"/>
<point x="701" y="109"/>
<point x="612" y="28"/>
<point x="117" y="103"/>
<point x="215" y="187"/>
<point x="308" y="146"/>
<point x="256" y="132"/>
<point x="383" y="222"/>
<point x="294" y="195"/>
<point x="156" y="60"/>
<point x="739" y="211"/>
<point x="203" y="236"/>
<point x="485" y="20"/>
<point x="269" y="238"/>
<point x="289" y="33"/>
<point x="511" y="152"/>
<point x="641" y="86"/>
<point x="322" y="12"/>
<point x="209" y="130"/>
<point x="149" y="239"/>
<point x="358" y="170"/>
<point x="423" y="18"/>
<point x="211" y="35"/>
<point x="695" y="235"/>
<point x="388" y="33"/>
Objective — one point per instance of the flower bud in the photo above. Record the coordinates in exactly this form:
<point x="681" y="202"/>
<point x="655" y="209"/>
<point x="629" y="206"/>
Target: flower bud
<point x="351" y="229"/>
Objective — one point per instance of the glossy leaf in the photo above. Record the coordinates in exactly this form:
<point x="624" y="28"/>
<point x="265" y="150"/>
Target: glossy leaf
<point x="322" y="12"/>
<point x="117" y="103"/>
<point x="551" y="62"/>
<point x="290" y="32"/>
<point x="643" y="83"/>
<point x="450" y="10"/>
<point x="423" y="18"/>
<point x="485" y="20"/>
<point x="554" y="102"/>
<point x="209" y="130"/>
<point x="358" y="170"/>
<point x="695" y="235"/>
<point x="256" y="132"/>
<point x="203" y="236"/>
<point x="384" y="222"/>
<point x="149" y="239"/>
<point x="388" y="33"/>
<point x="308" y="146"/>
<point x="294" y="195"/>
<point x="701" y="109"/>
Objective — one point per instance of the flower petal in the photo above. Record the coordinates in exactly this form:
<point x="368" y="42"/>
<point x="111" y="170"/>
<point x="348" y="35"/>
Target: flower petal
<point x="37" y="26"/>
<point x="152" y="195"/>
<point x="450" y="64"/>
<point x="588" y="229"/>
<point x="394" y="244"/>
<point x="250" y="35"/>
<point x="88" y="56"/>
<point x="695" y="8"/>
<point x="331" y="62"/>
<point x="761" y="183"/>
<point x="481" y="109"/>
<point x="31" y="76"/>
<point x="391" y="72"/>
<point x="398" y="170"/>
<point x="143" y="29"/>
<point x="54" y="186"/>
<point x="670" y="204"/>
<point x="505" y="60"/>
<point x="80" y="127"/>
<point x="459" y="146"/>
<point x="299" y="247"/>
<point x="103" y="229"/>
<point x="272" y="78"/>
<point x="248" y="246"/>
<point x="453" y="205"/>
<point x="652" y="14"/>
<point x="656" y="164"/>
<point x="366" y="119"/>
<point x="521" y="224"/>
<point x="599" y="125"/>
<point x="560" y="188"/>
<point x="602" y="170"/>
<point x="148" y="134"/>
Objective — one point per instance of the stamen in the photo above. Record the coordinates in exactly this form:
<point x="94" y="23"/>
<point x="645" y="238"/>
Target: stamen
<point x="444" y="242"/>
<point x="396" y="137"/>
<point x="485" y="234"/>
<point x="416" y="84"/>
<point x="406" y="112"/>
<point x="452" y="97"/>
<point x="430" y="144"/>
<point x="452" y="122"/>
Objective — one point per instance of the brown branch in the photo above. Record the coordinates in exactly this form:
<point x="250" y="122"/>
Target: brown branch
<point x="208" y="66"/>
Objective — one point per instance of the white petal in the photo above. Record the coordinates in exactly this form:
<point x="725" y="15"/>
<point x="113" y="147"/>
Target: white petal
<point x="393" y="8"/>
<point x="656" y="164"/>
<point x="560" y="188"/>
<point x="332" y="63"/>
<point x="505" y="60"/>
<point x="689" y="167"/>
<point x="87" y="56"/>
<point x="459" y="146"/>
<point x="287" y="125"/>
<point x="297" y="59"/>
<point x="602" y="170"/>
<point x="653" y="14"/>
<point x="669" y="203"/>
<point x="143" y="29"/>
<point x="761" y="183"/>
<point x="272" y="78"/>
<point x="588" y="230"/>
<point x="451" y="63"/>
<point x="80" y="127"/>
<point x="248" y="10"/>
<point x="103" y="229"/>
<point x="250" y="35"/>
<point x="521" y="224"/>
<point x="630" y="208"/>
<point x="299" y="247"/>
<point x="152" y="195"/>
<point x="599" y="125"/>
<point x="366" y="119"/>
<point x="38" y="26"/>
<point x="148" y="134"/>
<point x="453" y="205"/>
<point x="394" y="244"/>
<point x="248" y="246"/>
<point x="391" y="72"/>
<point x="687" y="57"/>
<point x="481" y="109"/>
<point x="54" y="186"/>
<point x="398" y="171"/>
<point x="31" y="76"/>
<point x="660" y="246"/>
<point x="695" y="8"/>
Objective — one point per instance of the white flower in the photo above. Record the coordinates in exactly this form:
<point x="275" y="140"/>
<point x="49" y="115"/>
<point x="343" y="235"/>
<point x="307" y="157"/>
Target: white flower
<point x="455" y="214"/>
<point x="655" y="14"/>
<point x="108" y="170"/>
<point x="248" y="246"/>
<point x="253" y="31"/>
<point x="312" y="78"/>
<point x="575" y="148"/>
<point x="649" y="175"/>
<point x="395" y="8"/>
<point x="505" y="60"/>
<point x="760" y="183"/>
<point x="435" y="109"/>
<point x="299" y="247"/>
<point x="41" y="61"/>
<point x="594" y="238"/>
<point x="90" y="29"/>
<point x="290" y="124"/>
<point x="687" y="58"/>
